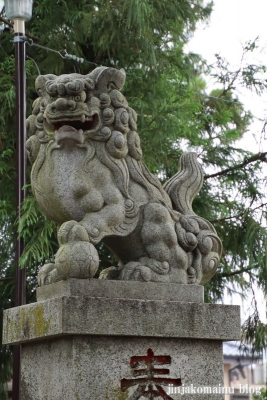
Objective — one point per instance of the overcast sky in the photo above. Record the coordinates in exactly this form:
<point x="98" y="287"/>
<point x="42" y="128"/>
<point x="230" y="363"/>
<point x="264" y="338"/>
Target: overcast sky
<point x="232" y="24"/>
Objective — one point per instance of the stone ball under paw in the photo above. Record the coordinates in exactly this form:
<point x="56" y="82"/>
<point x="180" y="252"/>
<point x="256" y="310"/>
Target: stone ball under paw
<point x="77" y="260"/>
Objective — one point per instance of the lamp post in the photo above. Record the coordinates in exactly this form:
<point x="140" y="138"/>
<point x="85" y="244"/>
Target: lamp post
<point x="19" y="11"/>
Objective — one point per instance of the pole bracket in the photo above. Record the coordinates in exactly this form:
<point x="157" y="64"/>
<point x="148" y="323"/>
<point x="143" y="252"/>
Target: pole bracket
<point x="18" y="38"/>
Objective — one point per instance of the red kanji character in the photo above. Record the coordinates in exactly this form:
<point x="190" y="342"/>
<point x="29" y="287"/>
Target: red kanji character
<point x="149" y="361"/>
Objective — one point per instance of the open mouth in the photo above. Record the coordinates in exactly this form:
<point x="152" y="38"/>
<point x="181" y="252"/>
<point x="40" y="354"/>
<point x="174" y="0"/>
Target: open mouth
<point x="84" y="123"/>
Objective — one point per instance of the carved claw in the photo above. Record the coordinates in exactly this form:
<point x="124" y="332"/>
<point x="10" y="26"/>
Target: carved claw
<point x="154" y="271"/>
<point x="47" y="274"/>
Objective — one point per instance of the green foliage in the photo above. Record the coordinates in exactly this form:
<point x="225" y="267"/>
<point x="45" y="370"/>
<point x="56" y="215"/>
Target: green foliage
<point x="254" y="332"/>
<point x="176" y="112"/>
<point x="262" y="396"/>
<point x="41" y="242"/>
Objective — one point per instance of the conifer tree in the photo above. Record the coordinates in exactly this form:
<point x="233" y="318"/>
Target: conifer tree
<point x="175" y="113"/>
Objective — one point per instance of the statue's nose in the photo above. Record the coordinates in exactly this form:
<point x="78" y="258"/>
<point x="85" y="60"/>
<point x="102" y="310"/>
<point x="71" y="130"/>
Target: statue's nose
<point x="64" y="105"/>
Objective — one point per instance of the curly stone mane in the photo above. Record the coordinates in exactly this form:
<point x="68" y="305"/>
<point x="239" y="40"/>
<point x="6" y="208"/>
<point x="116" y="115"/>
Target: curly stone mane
<point x="89" y="177"/>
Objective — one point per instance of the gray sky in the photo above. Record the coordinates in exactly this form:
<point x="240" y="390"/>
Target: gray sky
<point x="233" y="23"/>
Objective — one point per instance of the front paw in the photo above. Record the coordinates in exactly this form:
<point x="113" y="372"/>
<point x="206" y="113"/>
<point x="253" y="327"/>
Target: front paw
<point x="137" y="271"/>
<point x="72" y="231"/>
<point x="47" y="274"/>
<point x="134" y="271"/>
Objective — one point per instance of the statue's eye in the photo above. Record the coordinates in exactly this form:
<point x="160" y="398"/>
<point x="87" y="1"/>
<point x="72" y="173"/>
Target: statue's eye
<point x="77" y="98"/>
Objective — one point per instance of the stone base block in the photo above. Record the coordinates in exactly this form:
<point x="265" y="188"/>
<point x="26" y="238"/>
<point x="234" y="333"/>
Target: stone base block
<point x="122" y="290"/>
<point x="92" y="367"/>
<point x="94" y="340"/>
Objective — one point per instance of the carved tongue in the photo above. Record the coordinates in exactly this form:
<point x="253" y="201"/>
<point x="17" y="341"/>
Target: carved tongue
<point x="68" y="133"/>
<point x="67" y="128"/>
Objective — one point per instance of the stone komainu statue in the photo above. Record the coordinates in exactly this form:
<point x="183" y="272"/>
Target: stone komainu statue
<point x="88" y="177"/>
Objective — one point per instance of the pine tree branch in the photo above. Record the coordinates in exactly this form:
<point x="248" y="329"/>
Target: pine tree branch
<point x="226" y="218"/>
<point x="237" y="215"/>
<point x="255" y="157"/>
<point x="7" y="278"/>
<point x="6" y="22"/>
<point x="230" y="85"/>
<point x="239" y="271"/>
<point x="235" y="75"/>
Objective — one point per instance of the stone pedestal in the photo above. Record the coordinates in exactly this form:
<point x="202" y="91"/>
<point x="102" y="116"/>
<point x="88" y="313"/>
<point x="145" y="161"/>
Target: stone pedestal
<point x="79" y="338"/>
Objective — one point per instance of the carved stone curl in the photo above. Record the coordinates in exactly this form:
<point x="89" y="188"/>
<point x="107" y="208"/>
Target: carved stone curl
<point x="88" y="176"/>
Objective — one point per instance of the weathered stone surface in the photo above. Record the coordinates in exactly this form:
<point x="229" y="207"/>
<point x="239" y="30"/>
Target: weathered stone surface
<point x="91" y="368"/>
<point x="120" y="317"/>
<point x="88" y="176"/>
<point x="122" y="289"/>
<point x="79" y="347"/>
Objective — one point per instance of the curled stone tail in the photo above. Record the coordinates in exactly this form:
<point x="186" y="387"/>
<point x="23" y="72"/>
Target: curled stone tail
<point x="185" y="185"/>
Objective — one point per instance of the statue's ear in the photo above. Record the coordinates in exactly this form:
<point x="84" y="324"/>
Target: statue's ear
<point x="106" y="78"/>
<point x="40" y="83"/>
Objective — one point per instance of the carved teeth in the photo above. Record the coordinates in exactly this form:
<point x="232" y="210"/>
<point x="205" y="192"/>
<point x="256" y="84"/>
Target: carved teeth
<point x="83" y="118"/>
<point x="80" y="131"/>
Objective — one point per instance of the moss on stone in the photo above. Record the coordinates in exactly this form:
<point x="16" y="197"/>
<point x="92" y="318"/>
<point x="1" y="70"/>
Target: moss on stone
<point x="117" y="394"/>
<point x="26" y="322"/>
<point x="37" y="321"/>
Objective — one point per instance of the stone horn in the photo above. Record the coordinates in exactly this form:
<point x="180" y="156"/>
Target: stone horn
<point x="108" y="78"/>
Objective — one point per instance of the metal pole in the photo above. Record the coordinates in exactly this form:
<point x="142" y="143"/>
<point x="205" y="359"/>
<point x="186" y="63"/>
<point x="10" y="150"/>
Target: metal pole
<point x="20" y="274"/>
